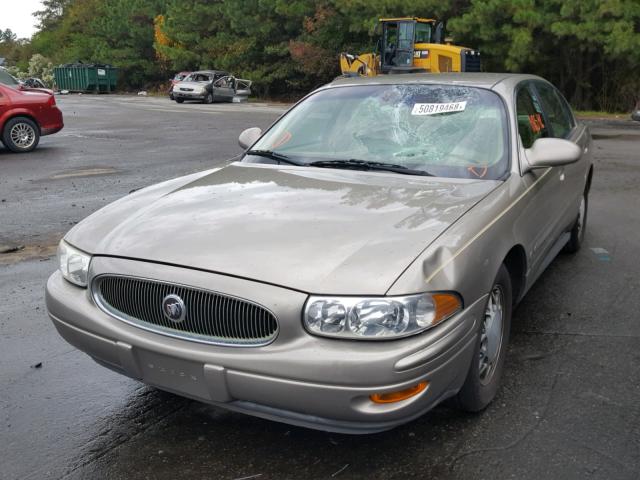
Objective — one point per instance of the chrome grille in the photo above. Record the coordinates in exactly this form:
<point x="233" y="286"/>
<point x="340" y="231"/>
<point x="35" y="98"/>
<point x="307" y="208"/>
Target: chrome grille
<point x="210" y="317"/>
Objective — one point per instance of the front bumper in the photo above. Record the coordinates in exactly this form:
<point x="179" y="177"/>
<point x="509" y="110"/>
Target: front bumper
<point x="188" y="95"/>
<point x="299" y="378"/>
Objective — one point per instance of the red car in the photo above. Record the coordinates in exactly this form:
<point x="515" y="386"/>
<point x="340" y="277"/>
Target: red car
<point x="25" y="115"/>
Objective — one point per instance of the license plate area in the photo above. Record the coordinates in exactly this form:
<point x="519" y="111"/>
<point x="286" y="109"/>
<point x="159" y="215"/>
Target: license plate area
<point x="176" y="374"/>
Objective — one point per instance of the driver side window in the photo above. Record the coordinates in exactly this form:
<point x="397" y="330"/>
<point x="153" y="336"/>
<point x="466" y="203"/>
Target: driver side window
<point x="531" y="122"/>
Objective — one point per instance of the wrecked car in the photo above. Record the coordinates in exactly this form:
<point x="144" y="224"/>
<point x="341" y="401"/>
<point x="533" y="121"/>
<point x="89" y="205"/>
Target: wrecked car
<point x="210" y="86"/>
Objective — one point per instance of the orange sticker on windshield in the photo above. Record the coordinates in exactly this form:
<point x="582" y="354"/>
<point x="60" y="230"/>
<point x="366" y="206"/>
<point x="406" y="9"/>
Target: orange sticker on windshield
<point x="284" y="138"/>
<point x="481" y="173"/>
<point x="536" y="122"/>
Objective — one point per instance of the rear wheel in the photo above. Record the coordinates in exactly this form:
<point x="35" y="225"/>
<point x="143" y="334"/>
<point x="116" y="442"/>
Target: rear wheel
<point x="21" y="135"/>
<point x="577" y="232"/>
<point x="483" y="378"/>
<point x="179" y="100"/>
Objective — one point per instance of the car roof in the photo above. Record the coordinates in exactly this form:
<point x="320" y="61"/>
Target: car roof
<point x="468" y="79"/>
<point x="210" y="71"/>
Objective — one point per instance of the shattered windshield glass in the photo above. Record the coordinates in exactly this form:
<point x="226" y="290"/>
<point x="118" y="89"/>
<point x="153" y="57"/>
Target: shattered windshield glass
<point x="449" y="131"/>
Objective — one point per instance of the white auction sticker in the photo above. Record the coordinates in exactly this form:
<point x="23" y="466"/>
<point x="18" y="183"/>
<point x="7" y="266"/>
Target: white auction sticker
<point x="435" y="108"/>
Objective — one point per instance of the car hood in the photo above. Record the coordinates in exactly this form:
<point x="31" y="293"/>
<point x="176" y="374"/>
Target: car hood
<point x="311" y="229"/>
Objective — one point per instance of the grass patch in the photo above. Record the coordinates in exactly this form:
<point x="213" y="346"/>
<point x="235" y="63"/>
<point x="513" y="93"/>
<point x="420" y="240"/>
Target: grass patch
<point x="597" y="114"/>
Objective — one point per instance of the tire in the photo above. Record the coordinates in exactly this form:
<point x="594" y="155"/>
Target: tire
<point x="577" y="232"/>
<point x="482" y="382"/>
<point x="171" y="96"/>
<point x="208" y="99"/>
<point x="179" y="100"/>
<point x="21" y="135"/>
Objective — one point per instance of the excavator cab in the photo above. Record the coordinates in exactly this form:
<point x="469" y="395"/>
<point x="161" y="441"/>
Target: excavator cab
<point x="411" y="45"/>
<point x="399" y="38"/>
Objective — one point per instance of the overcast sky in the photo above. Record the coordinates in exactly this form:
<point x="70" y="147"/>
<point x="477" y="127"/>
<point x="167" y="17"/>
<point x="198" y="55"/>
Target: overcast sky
<point x="17" y="15"/>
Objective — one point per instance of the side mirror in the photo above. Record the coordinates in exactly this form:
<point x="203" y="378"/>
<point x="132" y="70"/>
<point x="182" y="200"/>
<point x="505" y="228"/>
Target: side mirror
<point x="249" y="137"/>
<point x="552" y="152"/>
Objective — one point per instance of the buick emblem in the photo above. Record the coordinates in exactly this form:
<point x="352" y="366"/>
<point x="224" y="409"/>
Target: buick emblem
<point x="173" y="308"/>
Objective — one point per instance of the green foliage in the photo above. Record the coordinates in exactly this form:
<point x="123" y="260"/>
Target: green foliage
<point x="16" y="51"/>
<point x="119" y="32"/>
<point x="42" y="68"/>
<point x="7" y="36"/>
<point x="589" y="48"/>
<point x="17" y="73"/>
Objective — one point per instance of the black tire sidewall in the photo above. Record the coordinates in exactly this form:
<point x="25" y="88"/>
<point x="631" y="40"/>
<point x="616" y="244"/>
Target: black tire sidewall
<point x="6" y="137"/>
<point x="475" y="396"/>
<point x="580" y="237"/>
<point x="577" y="238"/>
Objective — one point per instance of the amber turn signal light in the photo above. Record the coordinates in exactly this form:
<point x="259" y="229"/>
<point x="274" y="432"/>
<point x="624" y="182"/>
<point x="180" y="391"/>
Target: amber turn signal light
<point x="445" y="305"/>
<point x="400" y="395"/>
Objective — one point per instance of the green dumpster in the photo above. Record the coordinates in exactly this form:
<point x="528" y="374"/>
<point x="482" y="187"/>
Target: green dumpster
<point x="86" y="77"/>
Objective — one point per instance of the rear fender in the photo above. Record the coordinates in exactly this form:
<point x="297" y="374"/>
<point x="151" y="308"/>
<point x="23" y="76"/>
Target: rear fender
<point x="17" y="112"/>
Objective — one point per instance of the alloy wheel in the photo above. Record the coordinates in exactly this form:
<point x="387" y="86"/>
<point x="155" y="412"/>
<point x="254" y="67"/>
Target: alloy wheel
<point x="22" y="135"/>
<point x="491" y="335"/>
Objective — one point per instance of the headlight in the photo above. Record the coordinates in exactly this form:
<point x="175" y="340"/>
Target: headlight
<point x="378" y="317"/>
<point x="73" y="263"/>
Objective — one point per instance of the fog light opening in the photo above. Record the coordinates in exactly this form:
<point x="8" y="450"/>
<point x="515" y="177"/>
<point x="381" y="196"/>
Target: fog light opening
<point x="392" y="397"/>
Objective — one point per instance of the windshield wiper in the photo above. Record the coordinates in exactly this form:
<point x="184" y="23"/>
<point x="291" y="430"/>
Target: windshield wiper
<point x="275" y="156"/>
<point x="367" y="165"/>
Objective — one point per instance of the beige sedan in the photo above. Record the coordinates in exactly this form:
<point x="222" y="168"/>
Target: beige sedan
<point x="356" y="267"/>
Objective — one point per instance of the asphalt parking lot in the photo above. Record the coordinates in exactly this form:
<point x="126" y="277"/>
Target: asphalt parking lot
<point x="568" y="408"/>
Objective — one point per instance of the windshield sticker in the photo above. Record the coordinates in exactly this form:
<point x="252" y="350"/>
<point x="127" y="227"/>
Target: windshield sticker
<point x="436" y="108"/>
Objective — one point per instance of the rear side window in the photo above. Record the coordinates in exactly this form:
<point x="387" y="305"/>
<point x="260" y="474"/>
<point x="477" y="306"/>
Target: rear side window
<point x="531" y="122"/>
<point x="559" y="118"/>
<point x="7" y="79"/>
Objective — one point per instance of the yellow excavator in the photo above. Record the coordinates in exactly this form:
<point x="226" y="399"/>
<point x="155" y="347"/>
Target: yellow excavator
<point x="411" y="45"/>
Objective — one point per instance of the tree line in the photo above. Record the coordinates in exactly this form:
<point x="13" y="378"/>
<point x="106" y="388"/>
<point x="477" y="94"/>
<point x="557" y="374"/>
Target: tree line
<point x="589" y="48"/>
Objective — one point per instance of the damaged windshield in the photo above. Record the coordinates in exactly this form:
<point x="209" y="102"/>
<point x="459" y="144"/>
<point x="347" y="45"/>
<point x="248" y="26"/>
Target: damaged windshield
<point x="448" y="131"/>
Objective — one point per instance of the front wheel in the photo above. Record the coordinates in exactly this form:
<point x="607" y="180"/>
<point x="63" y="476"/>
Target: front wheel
<point x="208" y="99"/>
<point x="483" y="377"/>
<point x="21" y="135"/>
<point x="577" y="232"/>
<point x="179" y="100"/>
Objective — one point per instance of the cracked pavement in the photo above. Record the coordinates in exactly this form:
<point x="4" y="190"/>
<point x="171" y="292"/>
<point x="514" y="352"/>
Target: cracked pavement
<point x="568" y="407"/>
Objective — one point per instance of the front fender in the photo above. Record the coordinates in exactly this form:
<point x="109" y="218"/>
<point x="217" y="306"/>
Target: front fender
<point x="466" y="257"/>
